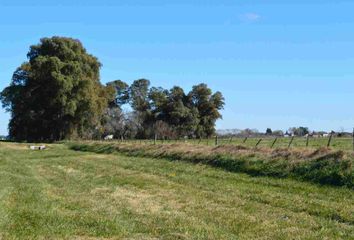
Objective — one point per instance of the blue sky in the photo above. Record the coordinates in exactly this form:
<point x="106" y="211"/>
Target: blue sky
<point x="278" y="63"/>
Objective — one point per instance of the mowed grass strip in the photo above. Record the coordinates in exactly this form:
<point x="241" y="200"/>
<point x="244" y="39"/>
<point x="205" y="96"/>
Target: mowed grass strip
<point x="63" y="194"/>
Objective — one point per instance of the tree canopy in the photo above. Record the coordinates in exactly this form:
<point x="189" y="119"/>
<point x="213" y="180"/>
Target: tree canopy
<point x="56" y="94"/>
<point x="172" y="113"/>
<point x="299" y="131"/>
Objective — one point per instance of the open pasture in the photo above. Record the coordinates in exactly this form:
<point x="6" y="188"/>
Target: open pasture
<point x="59" y="193"/>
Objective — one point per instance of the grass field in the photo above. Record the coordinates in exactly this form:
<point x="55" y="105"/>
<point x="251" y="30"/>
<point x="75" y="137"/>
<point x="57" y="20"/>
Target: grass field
<point x="64" y="194"/>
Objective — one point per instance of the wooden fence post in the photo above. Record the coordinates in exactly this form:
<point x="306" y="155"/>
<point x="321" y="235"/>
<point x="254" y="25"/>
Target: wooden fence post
<point x="307" y="140"/>
<point x="155" y="139"/>
<point x="244" y="140"/>
<point x="216" y="140"/>
<point x="291" y="141"/>
<point x="353" y="139"/>
<point x="275" y="140"/>
<point x="259" y="141"/>
<point x="329" y="140"/>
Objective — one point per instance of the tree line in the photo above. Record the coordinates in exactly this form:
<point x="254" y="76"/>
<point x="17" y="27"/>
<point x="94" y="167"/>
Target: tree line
<point x="57" y="94"/>
<point x="293" y="131"/>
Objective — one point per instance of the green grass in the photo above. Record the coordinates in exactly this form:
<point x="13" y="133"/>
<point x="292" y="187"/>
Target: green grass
<point x="63" y="194"/>
<point x="322" y="166"/>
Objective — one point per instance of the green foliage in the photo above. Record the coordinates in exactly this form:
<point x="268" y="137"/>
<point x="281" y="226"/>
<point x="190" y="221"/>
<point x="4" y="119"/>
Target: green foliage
<point x="181" y="115"/>
<point x="56" y="94"/>
<point x="278" y="133"/>
<point x="178" y="114"/>
<point x="269" y="131"/>
<point x="139" y="92"/>
<point x="208" y="106"/>
<point x="299" y="131"/>
<point x="158" y="98"/>
<point x="121" y="92"/>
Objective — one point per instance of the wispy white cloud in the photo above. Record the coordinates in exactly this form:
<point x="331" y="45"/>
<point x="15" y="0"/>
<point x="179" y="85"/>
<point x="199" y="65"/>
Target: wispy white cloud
<point x="250" y="17"/>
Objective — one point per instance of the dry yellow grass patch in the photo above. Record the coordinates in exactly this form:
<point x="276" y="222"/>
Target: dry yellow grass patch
<point x="68" y="169"/>
<point x="14" y="146"/>
<point x="142" y="201"/>
<point x="297" y="154"/>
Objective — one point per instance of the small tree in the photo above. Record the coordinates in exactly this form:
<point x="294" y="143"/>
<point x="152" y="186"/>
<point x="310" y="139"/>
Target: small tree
<point x="278" y="133"/>
<point x="299" y="131"/>
<point x="269" y="131"/>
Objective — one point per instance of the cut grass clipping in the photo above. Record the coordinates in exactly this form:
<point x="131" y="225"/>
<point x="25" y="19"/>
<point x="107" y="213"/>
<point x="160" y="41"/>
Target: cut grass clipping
<point x="322" y="166"/>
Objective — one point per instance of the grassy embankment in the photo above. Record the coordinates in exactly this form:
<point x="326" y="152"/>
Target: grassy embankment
<point x="323" y="166"/>
<point x="63" y="194"/>
<point x="336" y="143"/>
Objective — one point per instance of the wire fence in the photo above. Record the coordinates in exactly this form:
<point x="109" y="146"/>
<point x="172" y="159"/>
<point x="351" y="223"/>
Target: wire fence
<point x="334" y="142"/>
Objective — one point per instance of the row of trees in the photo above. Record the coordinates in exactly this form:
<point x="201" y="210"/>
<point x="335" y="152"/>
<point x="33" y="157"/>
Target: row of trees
<point x="293" y="131"/>
<point x="57" y="95"/>
<point x="167" y="113"/>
